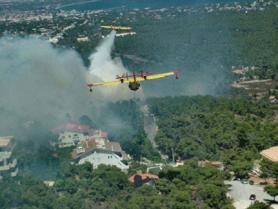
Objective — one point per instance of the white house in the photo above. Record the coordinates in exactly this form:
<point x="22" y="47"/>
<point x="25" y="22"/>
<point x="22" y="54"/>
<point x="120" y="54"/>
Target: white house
<point x="99" y="156"/>
<point x="69" y="139"/>
<point x="125" y="34"/>
<point x="8" y="165"/>
<point x="82" y="39"/>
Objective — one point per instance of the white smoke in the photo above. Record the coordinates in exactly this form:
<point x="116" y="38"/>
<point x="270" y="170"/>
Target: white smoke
<point x="46" y="84"/>
<point x="102" y="64"/>
<point x="40" y="83"/>
<point x="105" y="68"/>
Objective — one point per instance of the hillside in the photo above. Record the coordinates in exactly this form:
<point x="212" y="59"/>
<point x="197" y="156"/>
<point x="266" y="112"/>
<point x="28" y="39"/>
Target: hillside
<point x="233" y="130"/>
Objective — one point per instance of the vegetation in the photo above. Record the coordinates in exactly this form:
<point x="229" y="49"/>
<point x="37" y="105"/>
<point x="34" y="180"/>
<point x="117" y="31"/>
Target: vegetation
<point x="229" y="129"/>
<point x="218" y="38"/>
<point x="272" y="191"/>
<point x="139" y="146"/>
<point x="124" y="122"/>
<point x="233" y="130"/>
<point x="35" y="155"/>
<point x="259" y="205"/>
<point x="269" y="169"/>
<point x="81" y="187"/>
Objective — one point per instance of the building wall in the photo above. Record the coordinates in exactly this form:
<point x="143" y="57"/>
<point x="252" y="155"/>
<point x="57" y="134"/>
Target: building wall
<point x="97" y="158"/>
<point x="7" y="164"/>
<point x="69" y="139"/>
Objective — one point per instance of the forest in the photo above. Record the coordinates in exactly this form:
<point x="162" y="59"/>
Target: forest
<point x="81" y="187"/>
<point x="212" y="39"/>
<point x="230" y="129"/>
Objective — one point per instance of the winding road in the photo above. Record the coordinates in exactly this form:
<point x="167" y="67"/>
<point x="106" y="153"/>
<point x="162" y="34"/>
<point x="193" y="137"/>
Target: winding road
<point x="151" y="129"/>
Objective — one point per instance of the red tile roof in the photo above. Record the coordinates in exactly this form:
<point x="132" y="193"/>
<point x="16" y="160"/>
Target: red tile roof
<point x="271" y="154"/>
<point x="145" y="177"/>
<point x="215" y="163"/>
<point x="75" y="127"/>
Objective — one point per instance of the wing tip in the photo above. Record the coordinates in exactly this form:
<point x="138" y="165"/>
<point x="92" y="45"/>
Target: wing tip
<point x="177" y="73"/>
<point x="90" y="86"/>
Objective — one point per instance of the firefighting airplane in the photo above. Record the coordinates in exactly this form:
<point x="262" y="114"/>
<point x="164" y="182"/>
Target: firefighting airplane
<point x="134" y="79"/>
<point x="115" y="27"/>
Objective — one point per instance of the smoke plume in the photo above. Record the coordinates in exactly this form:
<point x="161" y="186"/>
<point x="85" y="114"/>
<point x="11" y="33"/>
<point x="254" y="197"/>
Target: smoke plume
<point x="39" y="83"/>
<point x="105" y="68"/>
<point x="102" y="64"/>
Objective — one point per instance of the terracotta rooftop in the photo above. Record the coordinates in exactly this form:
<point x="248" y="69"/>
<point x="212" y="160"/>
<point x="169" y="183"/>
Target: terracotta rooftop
<point x="145" y="177"/>
<point x="114" y="146"/>
<point x="76" y="127"/>
<point x="211" y="163"/>
<point x="271" y="154"/>
<point x="87" y="146"/>
<point x="216" y="163"/>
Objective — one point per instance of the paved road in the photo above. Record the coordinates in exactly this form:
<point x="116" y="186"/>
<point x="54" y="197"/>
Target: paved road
<point x="241" y="192"/>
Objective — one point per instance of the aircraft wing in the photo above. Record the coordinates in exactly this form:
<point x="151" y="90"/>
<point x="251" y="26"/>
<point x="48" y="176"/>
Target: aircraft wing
<point x="106" y="27"/>
<point x="138" y="78"/>
<point x="149" y="77"/>
<point x="113" y="83"/>
<point x="161" y="75"/>
<point x="106" y="83"/>
<point x="158" y="76"/>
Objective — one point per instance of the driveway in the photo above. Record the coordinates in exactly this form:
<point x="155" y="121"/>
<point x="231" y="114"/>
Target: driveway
<point x="241" y="192"/>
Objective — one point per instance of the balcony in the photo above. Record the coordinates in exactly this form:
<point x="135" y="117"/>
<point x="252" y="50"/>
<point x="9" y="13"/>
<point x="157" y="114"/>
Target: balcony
<point x="8" y="166"/>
